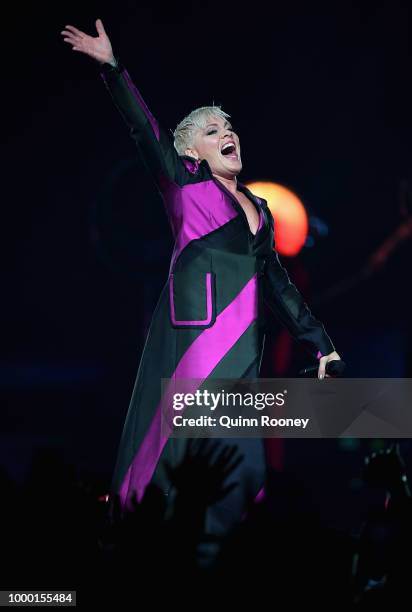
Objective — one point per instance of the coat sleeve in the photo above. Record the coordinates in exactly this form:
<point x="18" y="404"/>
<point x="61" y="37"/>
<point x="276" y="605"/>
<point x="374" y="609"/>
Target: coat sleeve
<point x="155" y="145"/>
<point x="288" y="305"/>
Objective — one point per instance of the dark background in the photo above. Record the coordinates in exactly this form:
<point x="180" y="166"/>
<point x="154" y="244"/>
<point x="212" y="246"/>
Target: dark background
<point x="321" y="98"/>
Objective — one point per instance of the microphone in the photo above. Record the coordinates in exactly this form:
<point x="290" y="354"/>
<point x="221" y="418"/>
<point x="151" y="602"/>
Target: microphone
<point x="335" y="368"/>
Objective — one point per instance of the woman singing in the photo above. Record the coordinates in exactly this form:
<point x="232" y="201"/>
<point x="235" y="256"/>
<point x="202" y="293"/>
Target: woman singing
<point x="208" y="322"/>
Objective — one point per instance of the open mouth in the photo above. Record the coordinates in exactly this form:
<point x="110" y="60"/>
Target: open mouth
<point x="229" y="150"/>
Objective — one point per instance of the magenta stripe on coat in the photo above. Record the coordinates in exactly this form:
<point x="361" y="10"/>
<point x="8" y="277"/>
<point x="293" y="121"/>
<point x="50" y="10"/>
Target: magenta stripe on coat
<point x="202" y="356"/>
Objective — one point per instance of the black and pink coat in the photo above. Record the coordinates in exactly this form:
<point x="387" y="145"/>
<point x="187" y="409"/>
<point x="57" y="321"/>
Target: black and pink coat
<point x="209" y="318"/>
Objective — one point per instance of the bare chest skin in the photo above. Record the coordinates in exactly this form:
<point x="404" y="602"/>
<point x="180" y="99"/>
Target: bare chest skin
<point x="252" y="214"/>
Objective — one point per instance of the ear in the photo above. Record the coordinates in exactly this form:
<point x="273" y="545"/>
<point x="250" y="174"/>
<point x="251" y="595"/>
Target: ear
<point x="191" y="153"/>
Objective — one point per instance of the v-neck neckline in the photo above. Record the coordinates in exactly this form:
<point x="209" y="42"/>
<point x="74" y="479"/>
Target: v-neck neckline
<point x="246" y="192"/>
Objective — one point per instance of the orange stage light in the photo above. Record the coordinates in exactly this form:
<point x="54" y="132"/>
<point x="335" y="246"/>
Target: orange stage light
<point x="291" y="219"/>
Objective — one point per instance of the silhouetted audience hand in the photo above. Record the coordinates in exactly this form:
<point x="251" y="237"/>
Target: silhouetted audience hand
<point x="382" y="566"/>
<point x="387" y="469"/>
<point x="203" y="471"/>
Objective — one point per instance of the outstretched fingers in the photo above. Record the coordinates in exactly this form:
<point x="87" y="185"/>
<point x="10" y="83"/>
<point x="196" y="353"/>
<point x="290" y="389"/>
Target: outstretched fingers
<point x="75" y="31"/>
<point x="73" y="39"/>
<point x="100" y="27"/>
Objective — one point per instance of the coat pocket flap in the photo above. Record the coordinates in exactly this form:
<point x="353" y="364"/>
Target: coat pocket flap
<point x="192" y="299"/>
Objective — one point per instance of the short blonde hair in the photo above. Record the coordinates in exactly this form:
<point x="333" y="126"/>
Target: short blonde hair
<point x="196" y="120"/>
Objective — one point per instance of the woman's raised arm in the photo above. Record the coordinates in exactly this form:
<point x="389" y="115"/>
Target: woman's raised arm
<point x="156" y="146"/>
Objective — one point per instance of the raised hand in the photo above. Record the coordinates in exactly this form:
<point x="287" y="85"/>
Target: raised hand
<point x="96" y="47"/>
<point x="387" y="469"/>
<point x="202" y="473"/>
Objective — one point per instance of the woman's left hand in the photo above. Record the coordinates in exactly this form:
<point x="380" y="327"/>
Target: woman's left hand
<point x="323" y="361"/>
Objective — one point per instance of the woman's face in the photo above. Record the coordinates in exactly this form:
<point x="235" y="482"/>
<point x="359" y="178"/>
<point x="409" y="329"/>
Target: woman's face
<point x="219" y="145"/>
